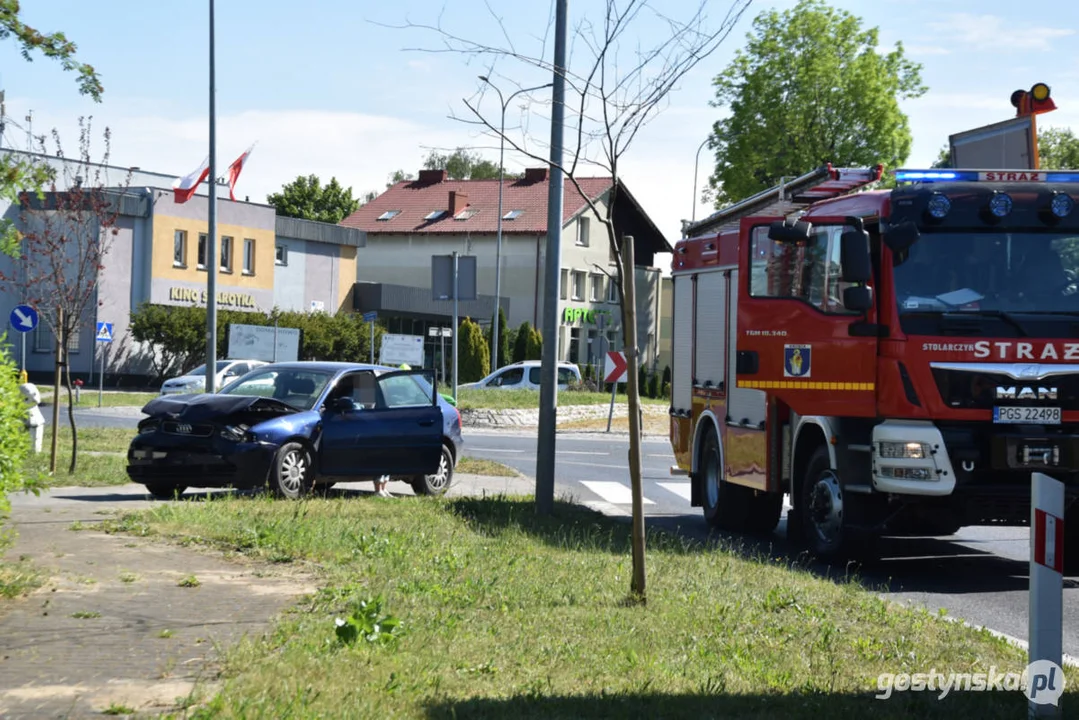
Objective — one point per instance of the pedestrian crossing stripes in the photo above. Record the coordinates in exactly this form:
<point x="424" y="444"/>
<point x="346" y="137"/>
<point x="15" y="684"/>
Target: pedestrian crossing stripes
<point x="613" y="492"/>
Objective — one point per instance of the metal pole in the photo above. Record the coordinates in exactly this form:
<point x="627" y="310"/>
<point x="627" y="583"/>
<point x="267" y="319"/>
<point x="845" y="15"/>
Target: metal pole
<point x="24" y="355"/>
<point x="101" y="377"/>
<point x="1045" y="681"/>
<point x="610" y="412"/>
<point x="372" y="342"/>
<point x="455" y="323"/>
<point x="498" y="239"/>
<point x="545" y="445"/>
<point x="442" y="339"/>
<point x="211" y="241"/>
<point x="697" y="160"/>
<point x="275" y="339"/>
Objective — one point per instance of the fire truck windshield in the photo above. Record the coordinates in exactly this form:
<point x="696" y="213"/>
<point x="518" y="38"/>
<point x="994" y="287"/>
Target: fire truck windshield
<point x="988" y="273"/>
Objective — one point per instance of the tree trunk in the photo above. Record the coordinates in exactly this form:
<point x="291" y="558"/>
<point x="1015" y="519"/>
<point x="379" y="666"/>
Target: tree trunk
<point x="71" y="420"/>
<point x="57" y="379"/>
<point x="629" y="334"/>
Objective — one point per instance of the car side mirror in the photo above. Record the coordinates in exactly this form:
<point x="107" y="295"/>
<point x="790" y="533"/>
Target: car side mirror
<point x="900" y="237"/>
<point x="858" y="298"/>
<point x="855" y="266"/>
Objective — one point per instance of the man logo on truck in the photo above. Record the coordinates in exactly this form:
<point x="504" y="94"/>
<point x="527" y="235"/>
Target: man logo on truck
<point x="1005" y="392"/>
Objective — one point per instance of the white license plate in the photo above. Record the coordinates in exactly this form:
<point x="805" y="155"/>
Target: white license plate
<point x="1027" y="415"/>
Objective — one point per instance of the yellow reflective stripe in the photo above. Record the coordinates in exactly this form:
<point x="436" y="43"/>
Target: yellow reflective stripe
<point x="803" y="385"/>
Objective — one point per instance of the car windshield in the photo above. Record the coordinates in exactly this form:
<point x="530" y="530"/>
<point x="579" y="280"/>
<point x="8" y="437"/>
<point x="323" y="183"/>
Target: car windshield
<point x="300" y="388"/>
<point x="201" y="369"/>
<point x="988" y="272"/>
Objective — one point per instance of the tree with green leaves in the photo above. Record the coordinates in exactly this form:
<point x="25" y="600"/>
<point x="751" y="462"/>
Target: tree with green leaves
<point x="462" y="164"/>
<point x="307" y="198"/>
<point x="944" y="158"/>
<point x="1058" y="149"/>
<point x="810" y="87"/>
<point x="527" y="343"/>
<point x="474" y="354"/>
<point x="54" y="46"/>
<point x="505" y="339"/>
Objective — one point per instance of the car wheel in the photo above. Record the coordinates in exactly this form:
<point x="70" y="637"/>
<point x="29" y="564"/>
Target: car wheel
<point x="438" y="483"/>
<point x="164" y="490"/>
<point x="293" y="475"/>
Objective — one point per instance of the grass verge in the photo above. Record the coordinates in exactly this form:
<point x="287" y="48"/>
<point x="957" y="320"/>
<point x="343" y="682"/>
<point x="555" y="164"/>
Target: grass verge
<point x="478" y="466"/>
<point x="92" y="469"/>
<point x="18" y="578"/>
<point x="494" y="399"/>
<point x="652" y="424"/>
<point x="470" y="607"/>
<point x="108" y="399"/>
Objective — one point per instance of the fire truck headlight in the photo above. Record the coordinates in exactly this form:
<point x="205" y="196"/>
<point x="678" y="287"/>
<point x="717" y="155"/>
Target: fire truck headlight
<point x="907" y="473"/>
<point x="1062" y="204"/>
<point x="938" y="205"/>
<point x="1000" y="204"/>
<point x="905" y="450"/>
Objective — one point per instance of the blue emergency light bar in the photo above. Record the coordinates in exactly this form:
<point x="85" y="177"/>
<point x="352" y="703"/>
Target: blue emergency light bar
<point x="1006" y="176"/>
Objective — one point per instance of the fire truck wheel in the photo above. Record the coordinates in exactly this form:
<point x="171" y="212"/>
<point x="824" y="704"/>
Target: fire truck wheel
<point x="719" y="497"/>
<point x="820" y="507"/>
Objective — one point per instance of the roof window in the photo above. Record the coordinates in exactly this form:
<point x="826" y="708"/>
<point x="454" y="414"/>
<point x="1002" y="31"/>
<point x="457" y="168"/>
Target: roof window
<point x="434" y="215"/>
<point x="513" y="214"/>
<point x="465" y="214"/>
<point x="388" y="215"/>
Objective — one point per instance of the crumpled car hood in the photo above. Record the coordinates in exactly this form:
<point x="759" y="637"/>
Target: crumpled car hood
<point x="207" y="406"/>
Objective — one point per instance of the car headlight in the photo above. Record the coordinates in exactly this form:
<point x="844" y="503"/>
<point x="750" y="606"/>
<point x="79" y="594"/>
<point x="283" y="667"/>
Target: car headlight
<point x="236" y="433"/>
<point x="907" y="473"/>
<point x="905" y="451"/>
<point x="148" y="426"/>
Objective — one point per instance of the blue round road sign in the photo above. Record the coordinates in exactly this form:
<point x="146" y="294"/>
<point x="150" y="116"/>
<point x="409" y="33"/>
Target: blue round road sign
<point x="23" y="318"/>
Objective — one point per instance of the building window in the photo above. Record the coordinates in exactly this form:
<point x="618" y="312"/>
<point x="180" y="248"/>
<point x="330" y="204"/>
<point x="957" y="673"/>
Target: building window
<point x="612" y="290"/>
<point x="582" y="231"/>
<point x="434" y="215"/>
<point x="249" y="256"/>
<point x="513" y="214"/>
<point x="574" y="345"/>
<point x="179" y="249"/>
<point x="579" y="278"/>
<point x="597" y="288"/>
<point x="565" y="283"/>
<point x="44" y="339"/>
<point x="388" y="215"/>
<point x="281" y="255"/>
<point x="226" y="254"/>
<point x="202" y="251"/>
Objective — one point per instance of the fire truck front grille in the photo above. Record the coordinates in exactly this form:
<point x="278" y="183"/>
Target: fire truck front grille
<point x="969" y="390"/>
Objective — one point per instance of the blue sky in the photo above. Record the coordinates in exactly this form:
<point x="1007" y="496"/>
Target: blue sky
<point x="331" y="90"/>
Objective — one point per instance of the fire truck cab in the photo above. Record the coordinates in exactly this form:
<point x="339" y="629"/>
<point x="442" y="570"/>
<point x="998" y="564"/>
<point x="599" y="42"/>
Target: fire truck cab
<point x="894" y="361"/>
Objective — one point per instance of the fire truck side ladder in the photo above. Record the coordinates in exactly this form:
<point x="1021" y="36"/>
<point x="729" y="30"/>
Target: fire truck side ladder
<point x="823" y="183"/>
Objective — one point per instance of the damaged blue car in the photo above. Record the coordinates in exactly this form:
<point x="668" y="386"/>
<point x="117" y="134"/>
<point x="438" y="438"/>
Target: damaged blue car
<point x="293" y="427"/>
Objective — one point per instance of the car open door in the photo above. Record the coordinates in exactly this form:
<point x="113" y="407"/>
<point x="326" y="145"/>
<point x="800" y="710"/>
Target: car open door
<point x="400" y="433"/>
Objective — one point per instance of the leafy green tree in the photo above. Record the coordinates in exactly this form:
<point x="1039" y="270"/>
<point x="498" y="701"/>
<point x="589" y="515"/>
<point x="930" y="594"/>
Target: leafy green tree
<point x="520" y="342"/>
<point x="505" y="339"/>
<point x="306" y="198"/>
<point x="462" y="164"/>
<point x="474" y="354"/>
<point x="944" y="158"/>
<point x="54" y="46"/>
<point x="14" y="440"/>
<point x="1058" y="149"/>
<point x="809" y="88"/>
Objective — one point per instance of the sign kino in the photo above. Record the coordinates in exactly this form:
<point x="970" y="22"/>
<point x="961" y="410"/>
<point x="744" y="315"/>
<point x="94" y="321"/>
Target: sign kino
<point x="179" y="294"/>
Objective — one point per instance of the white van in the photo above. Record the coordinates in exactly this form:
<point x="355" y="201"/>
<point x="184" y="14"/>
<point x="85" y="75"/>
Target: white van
<point x="525" y="375"/>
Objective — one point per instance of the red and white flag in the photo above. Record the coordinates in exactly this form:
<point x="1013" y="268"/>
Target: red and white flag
<point x="186" y="186"/>
<point x="235" y="168"/>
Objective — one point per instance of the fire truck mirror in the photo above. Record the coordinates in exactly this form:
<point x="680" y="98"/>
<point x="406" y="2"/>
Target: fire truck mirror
<point x="854" y="257"/>
<point x="858" y="298"/>
<point x="901" y="237"/>
<point x="789" y="232"/>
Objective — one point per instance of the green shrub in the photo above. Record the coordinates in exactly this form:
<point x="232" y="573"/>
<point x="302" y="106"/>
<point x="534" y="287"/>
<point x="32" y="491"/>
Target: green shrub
<point x="474" y="354"/>
<point x="14" y="439"/>
<point x="505" y="339"/>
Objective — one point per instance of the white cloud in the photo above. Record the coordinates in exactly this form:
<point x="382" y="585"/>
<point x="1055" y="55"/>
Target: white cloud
<point x="924" y="50"/>
<point x="992" y="32"/>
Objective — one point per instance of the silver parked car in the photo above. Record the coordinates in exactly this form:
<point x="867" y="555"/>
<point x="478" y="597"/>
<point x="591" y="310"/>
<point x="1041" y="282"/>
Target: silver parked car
<point x="194" y="381"/>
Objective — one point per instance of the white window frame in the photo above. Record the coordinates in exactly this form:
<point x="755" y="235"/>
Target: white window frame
<point x="226" y="254"/>
<point x="597" y="288"/>
<point x="583" y="230"/>
<point x="179" y="242"/>
<point x="249" y="256"/>
<point x="564" y="285"/>
<point x="612" y="290"/>
<point x="579" y="292"/>
<point x="280" y="257"/>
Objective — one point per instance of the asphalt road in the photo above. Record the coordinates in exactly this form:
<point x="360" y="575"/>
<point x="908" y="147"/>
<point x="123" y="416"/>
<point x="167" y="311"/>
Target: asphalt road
<point x="979" y="574"/>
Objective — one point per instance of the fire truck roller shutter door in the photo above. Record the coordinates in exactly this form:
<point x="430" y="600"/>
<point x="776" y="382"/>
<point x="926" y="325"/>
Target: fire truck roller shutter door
<point x="682" y="344"/>
<point x="711" y="324"/>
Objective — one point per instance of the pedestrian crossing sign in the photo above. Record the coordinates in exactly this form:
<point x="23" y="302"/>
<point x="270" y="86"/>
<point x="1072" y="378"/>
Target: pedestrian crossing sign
<point x="104" y="332"/>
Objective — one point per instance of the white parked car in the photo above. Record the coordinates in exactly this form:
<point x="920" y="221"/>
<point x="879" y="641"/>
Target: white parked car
<point x="524" y="375"/>
<point x="195" y="380"/>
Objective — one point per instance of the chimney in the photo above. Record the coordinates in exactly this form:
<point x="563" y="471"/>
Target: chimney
<point x="458" y="201"/>
<point x="428" y="177"/>
<point x="533" y="175"/>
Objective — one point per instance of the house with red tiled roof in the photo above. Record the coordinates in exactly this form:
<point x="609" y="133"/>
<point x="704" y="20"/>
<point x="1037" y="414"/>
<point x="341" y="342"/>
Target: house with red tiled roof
<point x="415" y="220"/>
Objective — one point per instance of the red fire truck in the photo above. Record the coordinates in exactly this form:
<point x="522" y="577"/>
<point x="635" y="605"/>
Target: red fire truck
<point x="895" y="361"/>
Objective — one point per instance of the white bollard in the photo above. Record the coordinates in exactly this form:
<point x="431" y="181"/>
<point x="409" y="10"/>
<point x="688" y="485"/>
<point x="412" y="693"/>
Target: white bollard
<point x="35" y="421"/>
<point x="1045" y="679"/>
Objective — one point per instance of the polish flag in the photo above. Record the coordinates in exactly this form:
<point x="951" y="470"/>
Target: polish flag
<point x="235" y="168"/>
<point x="186" y="186"/>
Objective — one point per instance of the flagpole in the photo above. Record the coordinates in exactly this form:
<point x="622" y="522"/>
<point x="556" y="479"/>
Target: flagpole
<point x="211" y="241"/>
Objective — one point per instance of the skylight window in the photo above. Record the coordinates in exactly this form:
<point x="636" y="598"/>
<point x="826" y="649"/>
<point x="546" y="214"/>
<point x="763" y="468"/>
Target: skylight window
<point x="388" y="215"/>
<point x="513" y="214"/>
<point x="434" y="215"/>
<point x="465" y="214"/>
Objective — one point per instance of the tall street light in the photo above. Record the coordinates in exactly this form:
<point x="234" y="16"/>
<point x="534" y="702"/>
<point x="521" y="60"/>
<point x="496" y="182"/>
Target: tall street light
<point x="695" y="162"/>
<point x="498" y="240"/>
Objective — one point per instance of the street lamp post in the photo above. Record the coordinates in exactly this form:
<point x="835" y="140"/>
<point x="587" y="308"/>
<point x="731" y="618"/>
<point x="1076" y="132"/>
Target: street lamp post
<point x="498" y="239"/>
<point x="695" y="163"/>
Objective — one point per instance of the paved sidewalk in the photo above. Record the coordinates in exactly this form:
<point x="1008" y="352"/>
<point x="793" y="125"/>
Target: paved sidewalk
<point x="114" y="627"/>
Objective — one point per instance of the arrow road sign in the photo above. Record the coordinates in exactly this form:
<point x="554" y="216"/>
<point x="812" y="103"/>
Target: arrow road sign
<point x="104" y="332"/>
<point x="24" y="318"/>
<point x="614" y="368"/>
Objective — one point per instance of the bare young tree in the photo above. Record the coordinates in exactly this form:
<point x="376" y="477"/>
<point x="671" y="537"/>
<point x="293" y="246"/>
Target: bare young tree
<point x="610" y="96"/>
<point x="67" y="231"/>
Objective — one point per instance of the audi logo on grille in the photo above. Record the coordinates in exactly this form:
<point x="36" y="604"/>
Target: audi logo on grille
<point x="183" y="429"/>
